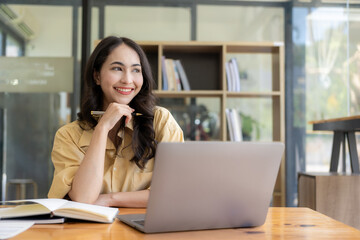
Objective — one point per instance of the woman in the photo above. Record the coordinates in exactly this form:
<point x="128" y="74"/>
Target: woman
<point x="109" y="160"/>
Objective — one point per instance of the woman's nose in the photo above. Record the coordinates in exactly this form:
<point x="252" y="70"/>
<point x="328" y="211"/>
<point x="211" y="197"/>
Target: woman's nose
<point x="126" y="77"/>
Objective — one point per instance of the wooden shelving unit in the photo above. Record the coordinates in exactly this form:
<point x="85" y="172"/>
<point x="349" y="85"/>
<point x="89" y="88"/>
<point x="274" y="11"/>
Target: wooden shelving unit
<point x="205" y="67"/>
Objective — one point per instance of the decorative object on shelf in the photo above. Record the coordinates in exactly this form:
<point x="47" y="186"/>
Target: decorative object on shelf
<point x="249" y="124"/>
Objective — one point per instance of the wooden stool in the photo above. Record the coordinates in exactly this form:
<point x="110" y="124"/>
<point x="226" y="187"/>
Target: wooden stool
<point x="20" y="185"/>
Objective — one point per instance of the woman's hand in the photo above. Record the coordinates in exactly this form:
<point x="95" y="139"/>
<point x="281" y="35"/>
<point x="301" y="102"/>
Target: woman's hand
<point x="113" y="114"/>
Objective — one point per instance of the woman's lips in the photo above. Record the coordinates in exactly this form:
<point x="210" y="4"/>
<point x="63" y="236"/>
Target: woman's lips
<point x="125" y="91"/>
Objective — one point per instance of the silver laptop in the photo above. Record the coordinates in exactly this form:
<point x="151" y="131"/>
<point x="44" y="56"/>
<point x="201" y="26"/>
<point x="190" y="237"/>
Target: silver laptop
<point x="209" y="185"/>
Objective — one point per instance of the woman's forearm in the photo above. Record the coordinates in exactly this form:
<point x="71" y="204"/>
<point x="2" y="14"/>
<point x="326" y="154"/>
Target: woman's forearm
<point x="87" y="182"/>
<point x="137" y="199"/>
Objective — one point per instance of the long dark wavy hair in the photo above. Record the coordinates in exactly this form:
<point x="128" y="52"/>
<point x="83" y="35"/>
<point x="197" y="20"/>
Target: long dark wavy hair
<point x="143" y="139"/>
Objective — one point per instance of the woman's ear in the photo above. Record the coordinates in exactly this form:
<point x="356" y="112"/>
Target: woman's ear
<point x="97" y="78"/>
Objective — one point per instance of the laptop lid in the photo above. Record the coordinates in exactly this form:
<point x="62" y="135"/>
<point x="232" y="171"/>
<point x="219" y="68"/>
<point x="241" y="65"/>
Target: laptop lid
<point x="209" y="185"/>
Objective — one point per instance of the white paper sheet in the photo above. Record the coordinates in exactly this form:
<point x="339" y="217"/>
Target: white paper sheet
<point x="9" y="229"/>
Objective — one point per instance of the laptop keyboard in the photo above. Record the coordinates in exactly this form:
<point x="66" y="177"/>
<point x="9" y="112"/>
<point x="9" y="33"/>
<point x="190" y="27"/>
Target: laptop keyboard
<point x="140" y="222"/>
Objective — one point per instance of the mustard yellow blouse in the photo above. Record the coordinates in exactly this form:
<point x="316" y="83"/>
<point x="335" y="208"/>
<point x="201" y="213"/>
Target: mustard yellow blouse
<point x="120" y="174"/>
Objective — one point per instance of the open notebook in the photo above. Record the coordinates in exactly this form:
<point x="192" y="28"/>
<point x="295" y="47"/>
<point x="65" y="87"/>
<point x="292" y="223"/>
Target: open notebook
<point x="54" y="210"/>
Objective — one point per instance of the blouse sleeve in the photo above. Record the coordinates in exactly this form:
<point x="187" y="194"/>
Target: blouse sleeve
<point x="66" y="157"/>
<point x="166" y="127"/>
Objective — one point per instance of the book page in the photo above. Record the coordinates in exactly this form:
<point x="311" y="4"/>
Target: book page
<point x="50" y="203"/>
<point x="87" y="212"/>
<point x="23" y="211"/>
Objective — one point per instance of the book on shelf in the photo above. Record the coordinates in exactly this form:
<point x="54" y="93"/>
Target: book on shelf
<point x="170" y="73"/>
<point x="174" y="76"/>
<point x="236" y="74"/>
<point x="177" y="77"/>
<point x="228" y="76"/>
<point x="229" y="124"/>
<point x="164" y="75"/>
<point x="232" y="75"/>
<point x="42" y="209"/>
<point x="237" y="126"/>
<point x="234" y="125"/>
<point x="183" y="77"/>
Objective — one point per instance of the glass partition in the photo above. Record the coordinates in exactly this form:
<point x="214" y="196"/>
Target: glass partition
<point x="325" y="80"/>
<point x="36" y="83"/>
<point x="13" y="47"/>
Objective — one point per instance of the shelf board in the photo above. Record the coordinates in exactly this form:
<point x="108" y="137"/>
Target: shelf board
<point x="214" y="93"/>
<point x="277" y="193"/>
<point x="192" y="93"/>
<point x="268" y="47"/>
<point x="253" y="94"/>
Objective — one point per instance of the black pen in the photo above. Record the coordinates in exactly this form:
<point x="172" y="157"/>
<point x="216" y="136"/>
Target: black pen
<point x="99" y="113"/>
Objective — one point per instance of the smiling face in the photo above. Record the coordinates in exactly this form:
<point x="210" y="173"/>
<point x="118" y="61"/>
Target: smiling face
<point x="120" y="76"/>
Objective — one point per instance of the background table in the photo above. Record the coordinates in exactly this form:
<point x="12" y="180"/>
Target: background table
<point x="336" y="195"/>
<point x="344" y="128"/>
<point x="281" y="223"/>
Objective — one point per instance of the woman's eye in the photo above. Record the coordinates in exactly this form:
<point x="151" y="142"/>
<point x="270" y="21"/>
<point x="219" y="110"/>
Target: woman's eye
<point x="136" y="70"/>
<point x="117" y="68"/>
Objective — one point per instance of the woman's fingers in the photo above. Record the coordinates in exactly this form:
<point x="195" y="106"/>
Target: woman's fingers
<point x="114" y="113"/>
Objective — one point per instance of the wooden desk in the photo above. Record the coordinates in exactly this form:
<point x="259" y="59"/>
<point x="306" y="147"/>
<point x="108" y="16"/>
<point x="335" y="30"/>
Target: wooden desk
<point x="344" y="128"/>
<point x="281" y="223"/>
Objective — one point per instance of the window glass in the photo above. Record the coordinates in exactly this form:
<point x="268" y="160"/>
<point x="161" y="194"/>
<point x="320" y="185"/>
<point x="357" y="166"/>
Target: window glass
<point x="45" y="22"/>
<point x="148" y="23"/>
<point x="332" y="75"/>
<point x="34" y="115"/>
<point x="239" y="23"/>
<point x="325" y="78"/>
<point x="1" y="42"/>
<point x="13" y="47"/>
<point x="353" y="62"/>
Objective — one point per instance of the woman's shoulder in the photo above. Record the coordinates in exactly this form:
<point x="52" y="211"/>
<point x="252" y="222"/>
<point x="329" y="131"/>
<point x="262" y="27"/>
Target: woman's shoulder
<point x="75" y="125"/>
<point x="75" y="128"/>
<point x="162" y="114"/>
<point x="161" y="111"/>
<point x="166" y="127"/>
